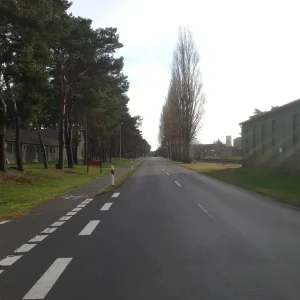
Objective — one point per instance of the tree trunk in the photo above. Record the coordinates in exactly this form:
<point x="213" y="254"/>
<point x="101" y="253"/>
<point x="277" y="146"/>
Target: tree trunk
<point x="60" y="163"/>
<point x="17" y="126"/>
<point x="68" y="134"/>
<point x="19" y="157"/>
<point x="68" y="139"/>
<point x="42" y="145"/>
<point x="3" y="165"/>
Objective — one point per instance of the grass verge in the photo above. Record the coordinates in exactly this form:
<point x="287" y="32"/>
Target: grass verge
<point x="19" y="192"/>
<point x="283" y="187"/>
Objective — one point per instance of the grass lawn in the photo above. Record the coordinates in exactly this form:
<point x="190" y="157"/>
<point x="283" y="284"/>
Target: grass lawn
<point x="19" y="192"/>
<point x="281" y="186"/>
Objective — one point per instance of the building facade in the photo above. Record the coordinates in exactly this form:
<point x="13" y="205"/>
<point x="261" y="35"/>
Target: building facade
<point x="228" y="141"/>
<point x="272" y="139"/>
<point x="237" y="142"/>
<point x="31" y="150"/>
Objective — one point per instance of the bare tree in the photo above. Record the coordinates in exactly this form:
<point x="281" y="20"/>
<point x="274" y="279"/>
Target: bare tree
<point x="184" y="107"/>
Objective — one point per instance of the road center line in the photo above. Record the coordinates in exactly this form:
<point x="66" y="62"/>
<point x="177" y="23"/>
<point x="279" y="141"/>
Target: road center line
<point x="49" y="230"/>
<point x="25" y="248"/>
<point x="115" y="195"/>
<point x="89" y="228"/>
<point x="207" y="213"/>
<point x="38" y="238"/>
<point x="9" y="260"/>
<point x="168" y="174"/>
<point x="177" y="183"/>
<point x="106" y="206"/>
<point x="46" y="282"/>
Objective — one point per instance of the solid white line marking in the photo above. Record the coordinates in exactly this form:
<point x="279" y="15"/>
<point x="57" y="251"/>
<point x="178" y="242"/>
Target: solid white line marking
<point x="3" y="222"/>
<point x="106" y="206"/>
<point x="206" y="212"/>
<point x="65" y="218"/>
<point x="81" y="205"/>
<point x="177" y="183"/>
<point x="46" y="282"/>
<point x="115" y="195"/>
<point x="77" y="209"/>
<point x="57" y="224"/>
<point x="25" y="248"/>
<point x="49" y="230"/>
<point x="168" y="174"/>
<point x="71" y="213"/>
<point x="9" y="260"/>
<point x="89" y="228"/>
<point x="38" y="238"/>
<point x="1" y="271"/>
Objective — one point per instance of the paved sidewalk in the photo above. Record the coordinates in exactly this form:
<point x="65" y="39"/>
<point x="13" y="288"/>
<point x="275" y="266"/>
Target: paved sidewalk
<point x="18" y="231"/>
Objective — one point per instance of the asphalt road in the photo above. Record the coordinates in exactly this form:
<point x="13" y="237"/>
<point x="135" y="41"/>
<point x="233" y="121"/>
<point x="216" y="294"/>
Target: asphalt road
<point x="166" y="233"/>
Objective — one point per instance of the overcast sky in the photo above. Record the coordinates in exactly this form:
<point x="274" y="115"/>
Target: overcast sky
<point x="249" y="50"/>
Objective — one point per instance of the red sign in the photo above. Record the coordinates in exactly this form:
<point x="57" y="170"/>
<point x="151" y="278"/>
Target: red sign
<point x="95" y="163"/>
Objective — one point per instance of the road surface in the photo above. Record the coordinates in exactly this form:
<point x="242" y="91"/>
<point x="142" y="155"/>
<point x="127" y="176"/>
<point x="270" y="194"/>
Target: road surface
<point x="166" y="233"/>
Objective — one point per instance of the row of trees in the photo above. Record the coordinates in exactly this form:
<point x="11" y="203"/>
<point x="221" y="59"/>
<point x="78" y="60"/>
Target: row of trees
<point x="183" y="109"/>
<point x="56" y="71"/>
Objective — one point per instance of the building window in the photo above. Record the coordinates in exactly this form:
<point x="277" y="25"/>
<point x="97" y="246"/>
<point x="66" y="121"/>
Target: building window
<point x="254" y="139"/>
<point x="9" y="148"/>
<point x="247" y="148"/>
<point x="263" y="136"/>
<point x="274" y="137"/>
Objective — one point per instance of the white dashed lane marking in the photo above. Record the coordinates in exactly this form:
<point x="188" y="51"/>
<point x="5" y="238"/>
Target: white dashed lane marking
<point x="46" y="282"/>
<point x="38" y="238"/>
<point x="81" y="205"/>
<point x="168" y="174"/>
<point x="89" y="228"/>
<point x="71" y="213"/>
<point x="1" y="271"/>
<point x="57" y="224"/>
<point x="9" y="260"/>
<point x="25" y="248"/>
<point x="49" y="230"/>
<point x="177" y="183"/>
<point x="3" y="222"/>
<point x="207" y="213"/>
<point x="106" y="206"/>
<point x="115" y="195"/>
<point x="77" y="209"/>
<point x="65" y="218"/>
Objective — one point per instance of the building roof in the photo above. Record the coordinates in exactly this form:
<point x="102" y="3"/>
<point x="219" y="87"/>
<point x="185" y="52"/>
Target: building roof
<point x="29" y="137"/>
<point x="53" y="133"/>
<point x="270" y="112"/>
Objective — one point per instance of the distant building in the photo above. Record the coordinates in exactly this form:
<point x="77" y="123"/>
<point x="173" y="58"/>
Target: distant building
<point x="31" y="150"/>
<point x="237" y="142"/>
<point x="272" y="139"/>
<point x="228" y="140"/>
